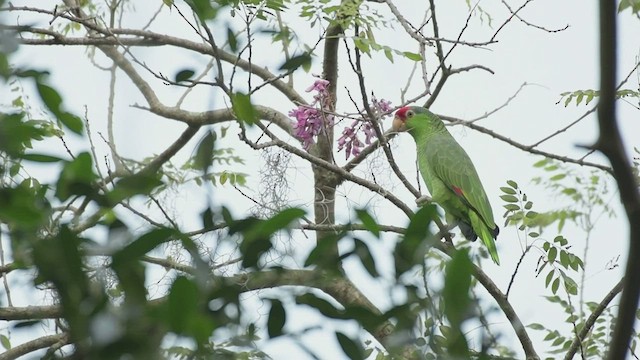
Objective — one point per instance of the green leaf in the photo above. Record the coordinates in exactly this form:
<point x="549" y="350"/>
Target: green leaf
<point x="389" y="54"/>
<point x="367" y="260"/>
<point x="184" y="75"/>
<point x="368" y="221"/>
<point x="142" y="245"/>
<point x="412" y="56"/>
<point x="558" y="177"/>
<point x="412" y="248"/>
<point x="59" y="261"/>
<point x="564" y="259"/>
<point x="512" y="183"/>
<point x="243" y="109"/>
<point x="49" y="96"/>
<point x="551" y="255"/>
<point x="512" y="207"/>
<point x="141" y="183"/>
<point x="555" y="285"/>
<point x="570" y="285"/>
<point x="633" y="4"/>
<point x="232" y="40"/>
<point x="53" y="101"/>
<point x="76" y="178"/>
<point x="323" y="306"/>
<point x="508" y="190"/>
<point x="71" y="121"/>
<point x="204" y="152"/>
<point x="548" y="279"/>
<point x="296" y="61"/>
<point x="203" y="9"/>
<point x="43" y="158"/>
<point x="509" y="198"/>
<point x="277" y="319"/>
<point x="282" y="220"/>
<point x="457" y="282"/>
<point x="182" y="304"/>
<point x="362" y="45"/>
<point x="5" y="342"/>
<point x="536" y="326"/>
<point x="352" y="349"/>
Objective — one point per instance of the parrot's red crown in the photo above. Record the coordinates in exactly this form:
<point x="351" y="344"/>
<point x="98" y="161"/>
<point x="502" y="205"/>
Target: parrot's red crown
<point x="402" y="112"/>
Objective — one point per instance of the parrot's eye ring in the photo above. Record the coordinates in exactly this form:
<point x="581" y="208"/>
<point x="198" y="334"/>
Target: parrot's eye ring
<point x="410" y="114"/>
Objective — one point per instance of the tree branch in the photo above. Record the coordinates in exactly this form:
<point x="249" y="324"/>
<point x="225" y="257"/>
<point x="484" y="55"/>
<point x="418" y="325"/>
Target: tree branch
<point x="527" y="148"/>
<point x="30" y="312"/>
<point x="502" y="301"/>
<point x="592" y="319"/>
<point x="33" y="345"/>
<point x="610" y="144"/>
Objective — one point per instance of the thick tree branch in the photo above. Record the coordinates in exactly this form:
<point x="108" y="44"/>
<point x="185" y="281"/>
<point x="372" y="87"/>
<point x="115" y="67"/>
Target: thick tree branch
<point x="611" y="144"/>
<point x="33" y="345"/>
<point x="30" y="312"/>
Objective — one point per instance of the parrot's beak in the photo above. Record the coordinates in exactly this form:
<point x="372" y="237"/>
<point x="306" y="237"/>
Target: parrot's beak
<point x="398" y="125"/>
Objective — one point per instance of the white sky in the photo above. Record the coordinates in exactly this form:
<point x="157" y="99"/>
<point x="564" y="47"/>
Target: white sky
<point x="554" y="62"/>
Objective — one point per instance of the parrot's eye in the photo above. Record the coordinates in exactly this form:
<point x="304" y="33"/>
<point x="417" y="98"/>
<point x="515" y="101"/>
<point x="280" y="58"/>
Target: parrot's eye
<point x="409" y="114"/>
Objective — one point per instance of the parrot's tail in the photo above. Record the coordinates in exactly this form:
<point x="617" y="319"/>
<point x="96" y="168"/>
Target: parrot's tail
<point x="486" y="235"/>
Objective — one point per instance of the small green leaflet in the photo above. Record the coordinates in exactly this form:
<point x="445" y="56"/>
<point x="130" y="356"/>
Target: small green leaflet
<point x="412" y="56"/>
<point x="184" y="75"/>
<point x="295" y="62"/>
<point x="242" y="107"/>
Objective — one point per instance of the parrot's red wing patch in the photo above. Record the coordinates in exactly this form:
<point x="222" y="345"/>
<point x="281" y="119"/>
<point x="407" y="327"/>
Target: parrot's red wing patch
<point x="402" y="112"/>
<point x="458" y="191"/>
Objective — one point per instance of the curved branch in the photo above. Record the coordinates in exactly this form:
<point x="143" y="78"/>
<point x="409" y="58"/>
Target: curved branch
<point x="503" y="303"/>
<point x="33" y="345"/>
<point x="527" y="148"/>
<point x="592" y="319"/>
<point x="148" y="38"/>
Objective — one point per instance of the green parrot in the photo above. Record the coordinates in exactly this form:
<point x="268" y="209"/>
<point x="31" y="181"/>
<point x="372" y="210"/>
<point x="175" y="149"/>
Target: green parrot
<point x="450" y="176"/>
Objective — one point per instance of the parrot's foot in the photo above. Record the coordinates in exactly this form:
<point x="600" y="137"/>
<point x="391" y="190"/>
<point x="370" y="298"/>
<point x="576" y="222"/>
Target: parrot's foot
<point x="423" y="200"/>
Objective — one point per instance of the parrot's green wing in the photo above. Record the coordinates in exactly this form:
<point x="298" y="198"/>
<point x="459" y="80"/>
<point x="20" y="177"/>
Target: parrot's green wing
<point x="452" y="165"/>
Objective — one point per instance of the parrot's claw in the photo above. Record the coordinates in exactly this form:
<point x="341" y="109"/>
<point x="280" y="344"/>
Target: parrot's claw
<point x="423" y="200"/>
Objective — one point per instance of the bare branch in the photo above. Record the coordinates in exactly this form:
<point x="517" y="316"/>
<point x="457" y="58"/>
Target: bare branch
<point x="33" y="345"/>
<point x="525" y="147"/>
<point x="591" y="320"/>
<point x="531" y="24"/>
<point x="339" y="172"/>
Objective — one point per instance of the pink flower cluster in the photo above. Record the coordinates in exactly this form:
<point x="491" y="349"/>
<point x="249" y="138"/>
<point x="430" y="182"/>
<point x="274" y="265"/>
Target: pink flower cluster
<point x="310" y="120"/>
<point x="350" y="141"/>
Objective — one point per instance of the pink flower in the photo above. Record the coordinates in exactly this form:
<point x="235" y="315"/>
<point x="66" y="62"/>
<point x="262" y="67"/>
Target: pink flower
<point x="382" y="106"/>
<point x="320" y="85"/>
<point x="310" y="120"/>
